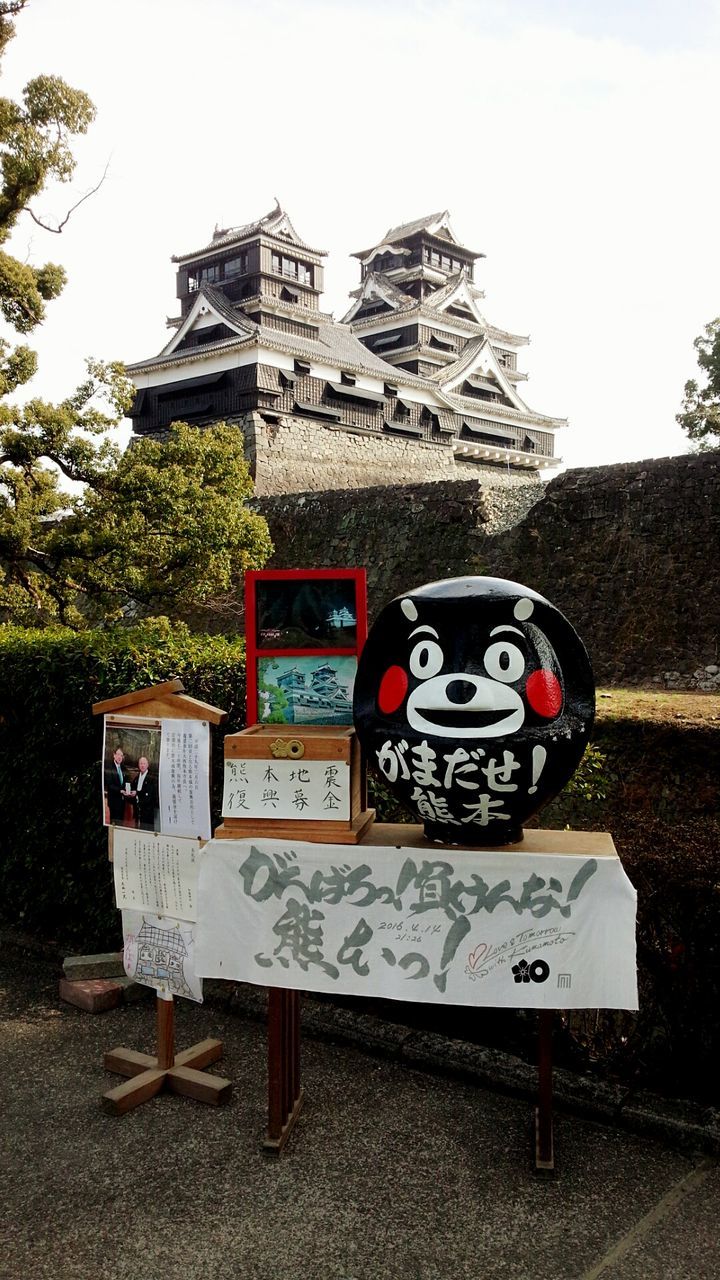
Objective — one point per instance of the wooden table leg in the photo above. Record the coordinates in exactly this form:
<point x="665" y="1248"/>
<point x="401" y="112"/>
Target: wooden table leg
<point x="285" y="1095"/>
<point x="544" y="1151"/>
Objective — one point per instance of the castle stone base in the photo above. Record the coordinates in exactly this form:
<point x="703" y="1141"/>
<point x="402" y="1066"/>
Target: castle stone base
<point x="294" y="455"/>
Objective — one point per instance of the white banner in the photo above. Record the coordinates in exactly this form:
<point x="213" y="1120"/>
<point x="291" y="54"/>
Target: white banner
<point x="539" y="931"/>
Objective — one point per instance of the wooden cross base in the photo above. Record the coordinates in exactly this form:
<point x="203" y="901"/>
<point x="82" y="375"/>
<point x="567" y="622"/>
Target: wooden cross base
<point x="181" y="1074"/>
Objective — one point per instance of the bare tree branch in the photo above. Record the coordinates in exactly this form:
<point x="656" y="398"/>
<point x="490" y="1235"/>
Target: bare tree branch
<point x="57" y="230"/>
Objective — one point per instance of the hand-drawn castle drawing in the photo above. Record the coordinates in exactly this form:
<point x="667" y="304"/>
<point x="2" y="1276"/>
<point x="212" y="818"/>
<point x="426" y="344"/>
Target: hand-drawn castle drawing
<point x="161" y="954"/>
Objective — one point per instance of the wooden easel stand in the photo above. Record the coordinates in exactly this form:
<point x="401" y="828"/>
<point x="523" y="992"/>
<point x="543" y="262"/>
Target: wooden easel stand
<point x="181" y="1074"/>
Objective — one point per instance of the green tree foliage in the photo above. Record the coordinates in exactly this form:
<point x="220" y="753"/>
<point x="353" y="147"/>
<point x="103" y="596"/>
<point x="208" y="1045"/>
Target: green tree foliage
<point x="35" y="138"/>
<point x="700" y="415"/>
<point x="161" y="528"/>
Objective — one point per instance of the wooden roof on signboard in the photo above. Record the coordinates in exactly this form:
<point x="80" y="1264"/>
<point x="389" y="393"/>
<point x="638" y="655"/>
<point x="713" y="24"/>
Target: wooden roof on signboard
<point x="158" y="700"/>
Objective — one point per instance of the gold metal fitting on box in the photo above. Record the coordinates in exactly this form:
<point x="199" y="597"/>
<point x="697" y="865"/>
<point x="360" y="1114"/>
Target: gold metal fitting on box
<point x="291" y="748"/>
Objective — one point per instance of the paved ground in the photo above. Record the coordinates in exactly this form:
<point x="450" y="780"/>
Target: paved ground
<point x="392" y="1173"/>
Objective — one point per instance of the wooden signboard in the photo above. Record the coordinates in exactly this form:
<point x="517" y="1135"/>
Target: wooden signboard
<point x="150" y="1073"/>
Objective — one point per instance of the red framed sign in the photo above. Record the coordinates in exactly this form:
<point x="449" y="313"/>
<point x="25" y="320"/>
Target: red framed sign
<point x="305" y="629"/>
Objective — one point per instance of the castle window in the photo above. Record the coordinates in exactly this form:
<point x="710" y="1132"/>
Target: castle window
<point x="507" y="359"/>
<point x="402" y="429"/>
<point x="347" y="379"/>
<point x="443" y="261"/>
<point x="193" y="283"/>
<point x="292" y="269"/>
<point x="371" y="309"/>
<point x="308" y="410"/>
<point x="301" y="366"/>
<point x="236" y="266"/>
<point x="386" y="339"/>
<point x="212" y="273"/>
<point x="385" y="262"/>
<point x="344" y="391"/>
<point x="487" y="433"/>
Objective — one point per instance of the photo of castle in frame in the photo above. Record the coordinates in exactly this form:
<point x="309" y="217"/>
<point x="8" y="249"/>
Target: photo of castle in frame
<point x="306" y="613"/>
<point x="305" y="690"/>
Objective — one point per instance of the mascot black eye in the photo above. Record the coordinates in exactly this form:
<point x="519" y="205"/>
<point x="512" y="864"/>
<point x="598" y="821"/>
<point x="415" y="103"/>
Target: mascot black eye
<point x="504" y="661"/>
<point x="426" y="659"/>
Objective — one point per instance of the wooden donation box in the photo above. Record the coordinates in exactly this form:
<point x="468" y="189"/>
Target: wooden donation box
<point x="304" y="781"/>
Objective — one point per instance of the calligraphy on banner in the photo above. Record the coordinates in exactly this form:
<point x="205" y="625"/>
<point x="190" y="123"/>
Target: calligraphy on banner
<point x="476" y="928"/>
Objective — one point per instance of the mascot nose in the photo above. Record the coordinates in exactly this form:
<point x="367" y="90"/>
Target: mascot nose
<point x="460" y="691"/>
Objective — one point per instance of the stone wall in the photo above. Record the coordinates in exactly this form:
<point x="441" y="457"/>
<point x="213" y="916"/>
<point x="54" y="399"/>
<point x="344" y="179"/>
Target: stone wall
<point x="628" y="552"/>
<point x="296" y="455"/>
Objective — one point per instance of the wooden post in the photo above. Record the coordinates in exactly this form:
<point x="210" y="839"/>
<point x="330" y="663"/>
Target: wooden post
<point x="166" y="1032"/>
<point x="285" y="1094"/>
<point x="544" y="1152"/>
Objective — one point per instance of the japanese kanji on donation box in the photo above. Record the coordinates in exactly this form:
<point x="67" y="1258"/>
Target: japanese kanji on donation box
<point x="528" y="930"/>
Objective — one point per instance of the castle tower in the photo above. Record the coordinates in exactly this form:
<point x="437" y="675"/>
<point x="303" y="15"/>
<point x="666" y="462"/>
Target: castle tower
<point x="412" y="385"/>
<point x="418" y="305"/>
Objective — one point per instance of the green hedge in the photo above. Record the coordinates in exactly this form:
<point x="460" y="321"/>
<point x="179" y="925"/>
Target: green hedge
<point x="55" y="881"/>
<point x="655" y="788"/>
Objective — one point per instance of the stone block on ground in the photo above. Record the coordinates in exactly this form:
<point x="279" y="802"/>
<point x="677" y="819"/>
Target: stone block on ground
<point x="94" y="995"/>
<point x="133" y="991"/>
<point x="109" y="964"/>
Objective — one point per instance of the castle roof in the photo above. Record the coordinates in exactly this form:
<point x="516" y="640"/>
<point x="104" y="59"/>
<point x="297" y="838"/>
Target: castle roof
<point x="335" y="343"/>
<point x="433" y="224"/>
<point x="275" y="223"/>
<point x="377" y="285"/>
<point x="478" y="357"/>
<point x="458" y="288"/>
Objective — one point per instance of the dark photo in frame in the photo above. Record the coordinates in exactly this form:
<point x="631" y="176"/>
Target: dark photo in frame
<point x="306" y="613"/>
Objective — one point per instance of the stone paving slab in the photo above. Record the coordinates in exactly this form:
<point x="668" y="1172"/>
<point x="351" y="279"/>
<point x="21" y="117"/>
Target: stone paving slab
<point x="391" y="1171"/>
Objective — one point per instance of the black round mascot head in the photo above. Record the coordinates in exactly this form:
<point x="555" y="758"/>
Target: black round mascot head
<point x="474" y="700"/>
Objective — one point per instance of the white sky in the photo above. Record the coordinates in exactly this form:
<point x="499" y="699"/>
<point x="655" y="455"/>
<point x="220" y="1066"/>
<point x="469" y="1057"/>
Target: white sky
<point x="575" y="143"/>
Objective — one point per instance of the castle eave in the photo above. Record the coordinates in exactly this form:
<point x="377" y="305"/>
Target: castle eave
<point x="468" y="451"/>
